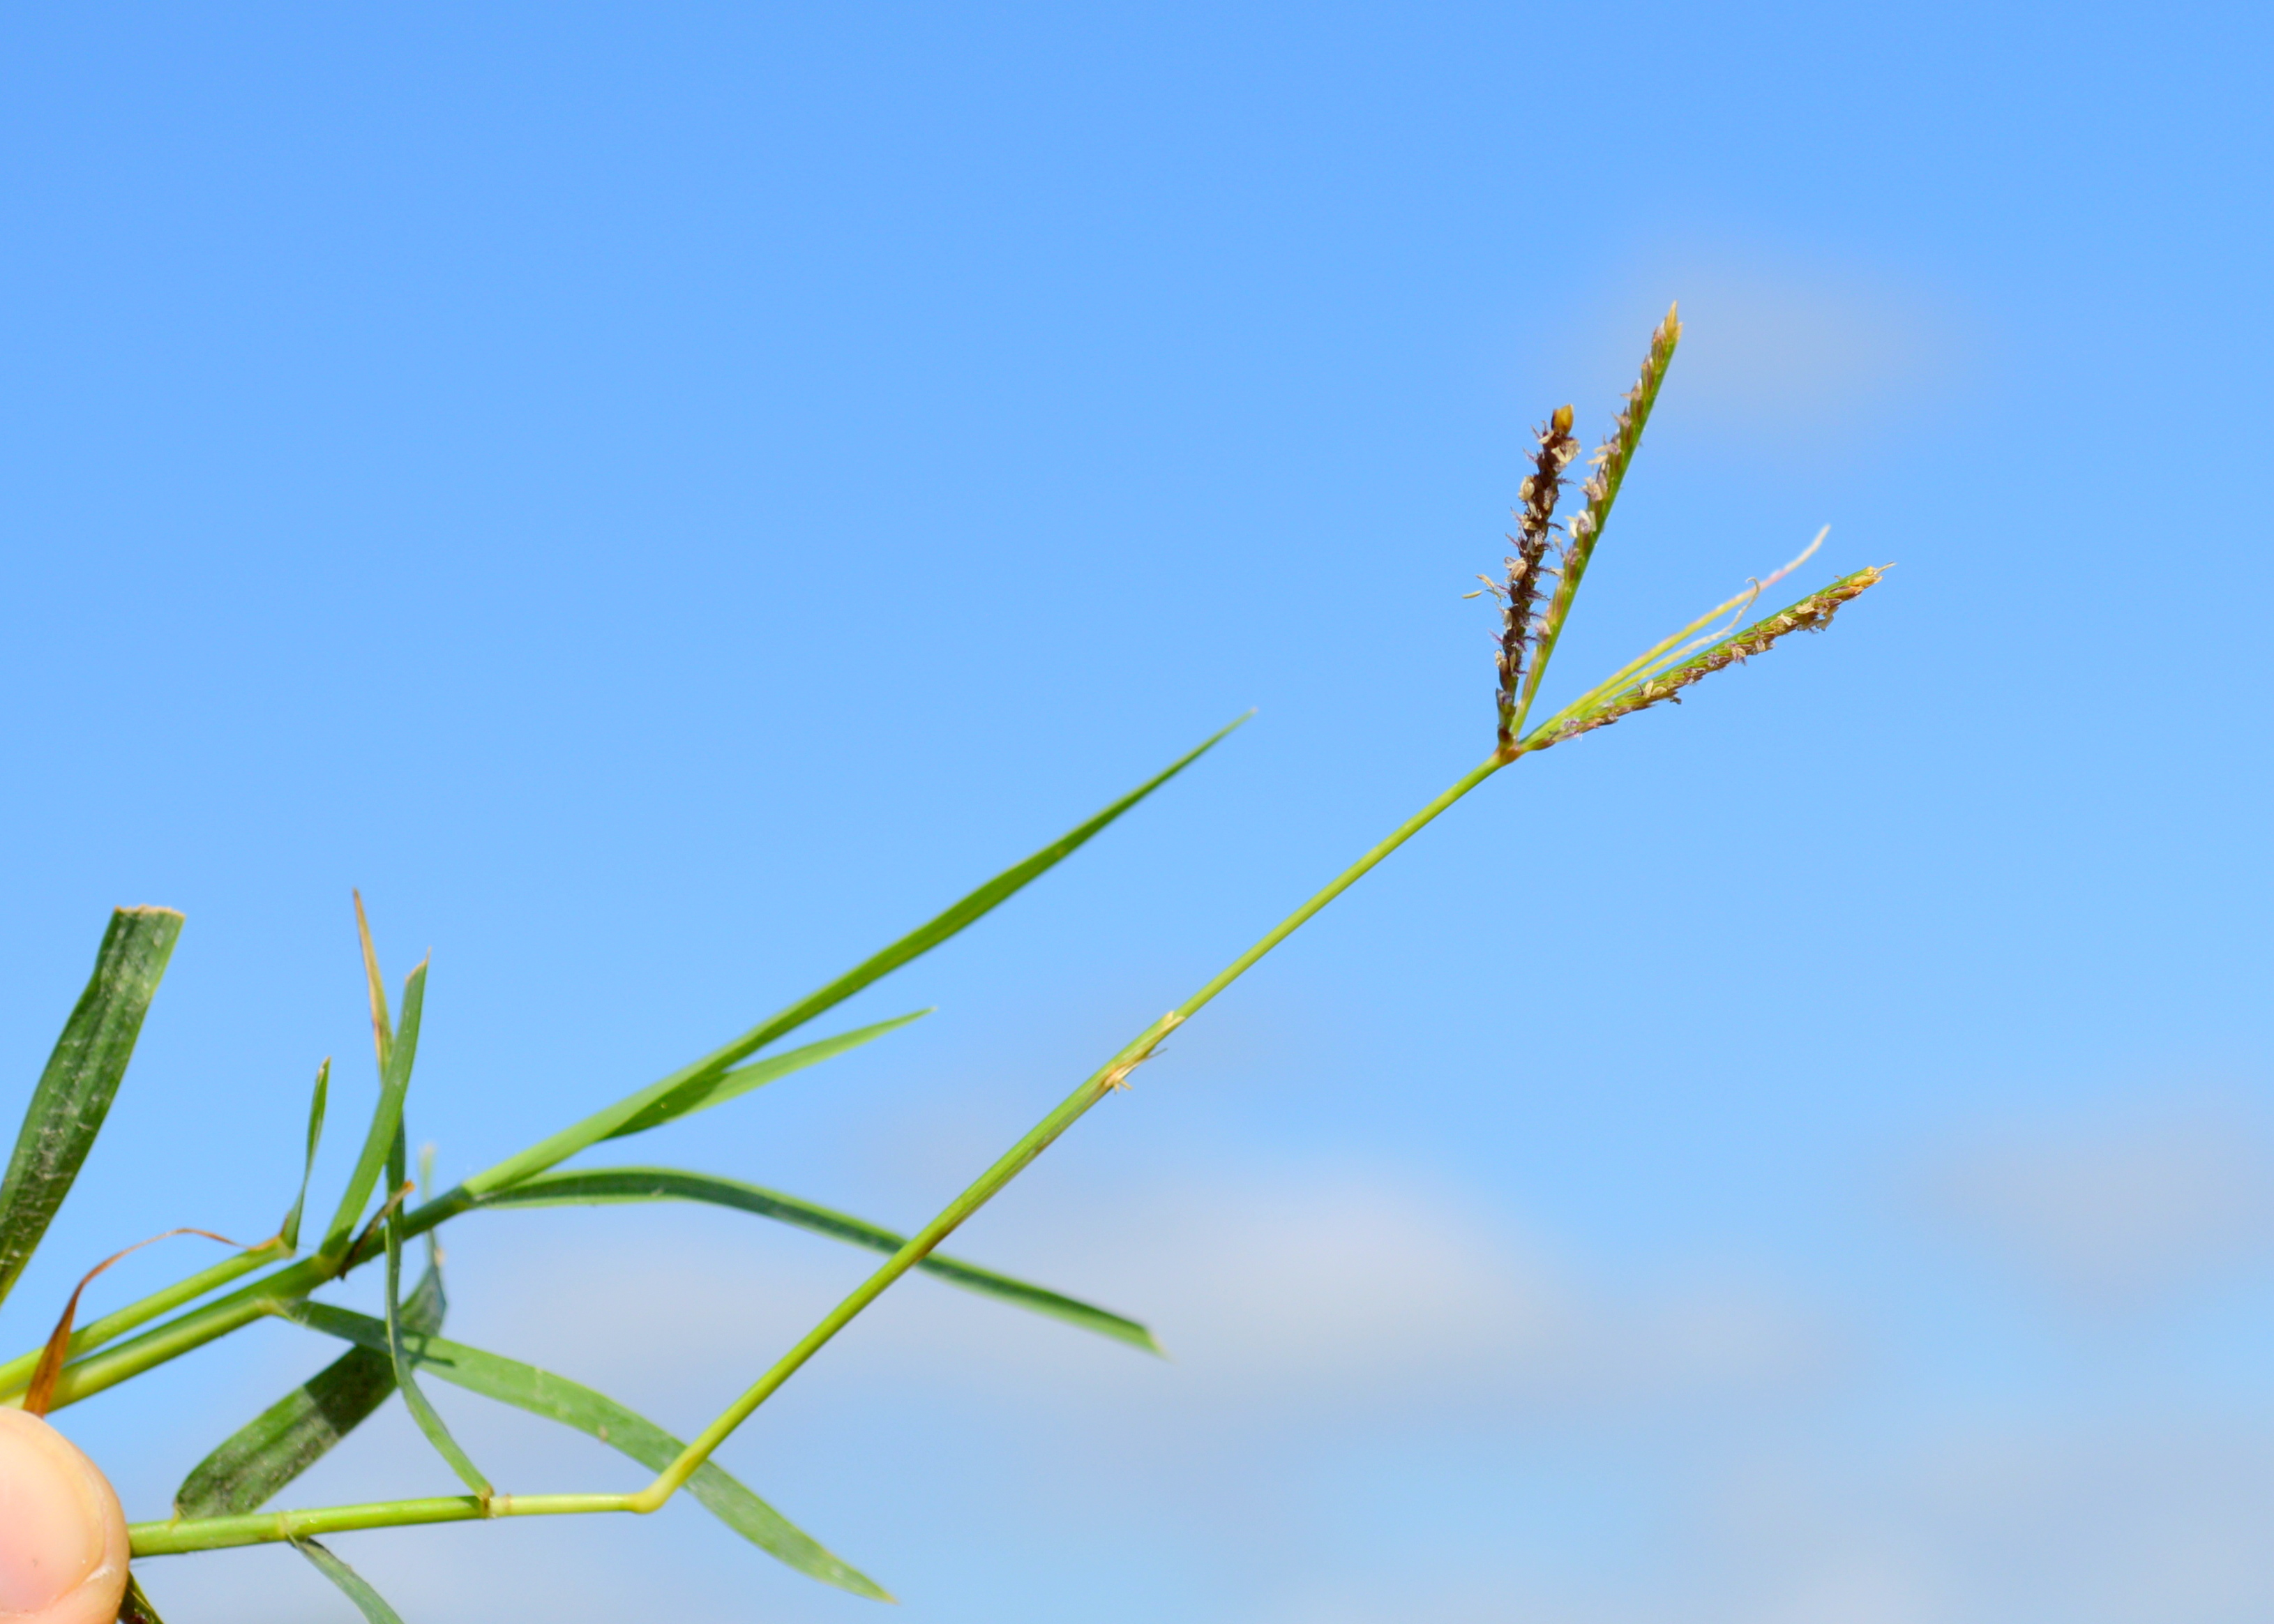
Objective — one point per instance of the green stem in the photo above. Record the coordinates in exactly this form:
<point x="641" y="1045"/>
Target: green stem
<point x="273" y="1526"/>
<point x="1342" y="881"/>
<point x="218" y="1318"/>
<point x="191" y="1331"/>
<point x="91" y="1375"/>
<point x="1100" y="1083"/>
<point x="16" y="1375"/>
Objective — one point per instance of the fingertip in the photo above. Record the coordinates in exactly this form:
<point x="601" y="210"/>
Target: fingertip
<point x="62" y="1533"/>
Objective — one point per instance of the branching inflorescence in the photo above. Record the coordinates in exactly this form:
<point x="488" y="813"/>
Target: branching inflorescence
<point x="220" y="1503"/>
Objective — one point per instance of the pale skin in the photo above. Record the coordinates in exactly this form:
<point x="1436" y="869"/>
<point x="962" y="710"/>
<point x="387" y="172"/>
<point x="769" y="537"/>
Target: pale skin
<point x="62" y="1534"/>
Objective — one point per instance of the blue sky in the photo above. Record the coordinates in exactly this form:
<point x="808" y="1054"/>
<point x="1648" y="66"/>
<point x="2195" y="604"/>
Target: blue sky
<point x="663" y="499"/>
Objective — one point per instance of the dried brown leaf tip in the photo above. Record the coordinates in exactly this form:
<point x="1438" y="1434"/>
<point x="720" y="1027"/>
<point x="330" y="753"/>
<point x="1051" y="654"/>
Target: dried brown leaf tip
<point x="1811" y="613"/>
<point x="39" y="1396"/>
<point x="1553" y="449"/>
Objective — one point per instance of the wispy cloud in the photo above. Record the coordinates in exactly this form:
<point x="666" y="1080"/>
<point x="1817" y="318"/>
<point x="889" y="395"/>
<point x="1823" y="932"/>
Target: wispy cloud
<point x="1778" y="347"/>
<point x="1388" y="1403"/>
<point x="1278" y="1290"/>
<point x="2118" y="1207"/>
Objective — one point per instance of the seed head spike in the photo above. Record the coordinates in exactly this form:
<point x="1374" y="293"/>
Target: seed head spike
<point x="1811" y="613"/>
<point x="1534" y="522"/>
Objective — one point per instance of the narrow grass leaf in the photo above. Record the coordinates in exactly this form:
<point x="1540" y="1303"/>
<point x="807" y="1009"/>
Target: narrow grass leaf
<point x="401" y="1052"/>
<point x="422" y="1409"/>
<point x="607" y="1122"/>
<point x="382" y="1035"/>
<point x="427" y="1185"/>
<point x="557" y="1398"/>
<point x="702" y="1092"/>
<point x="291" y="1229"/>
<point x="82" y="1076"/>
<point x="134" y="1607"/>
<point x="600" y="1186"/>
<point x="369" y="1602"/>
<point x="253" y="1465"/>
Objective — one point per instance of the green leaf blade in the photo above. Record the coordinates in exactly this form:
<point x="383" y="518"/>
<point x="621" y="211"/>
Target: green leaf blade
<point x="572" y="1404"/>
<point x="368" y="1601"/>
<point x="701" y="1094"/>
<point x="422" y="1409"/>
<point x="386" y="1118"/>
<point x="603" y="1186"/>
<point x="965" y="911"/>
<point x="291" y="1228"/>
<point x="75" y="1092"/>
<point x="134" y="1607"/>
<point x="251" y="1466"/>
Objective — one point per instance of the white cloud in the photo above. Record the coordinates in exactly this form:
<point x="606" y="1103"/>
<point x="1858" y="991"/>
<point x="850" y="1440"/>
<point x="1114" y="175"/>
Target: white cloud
<point x="1776" y="348"/>
<point x="1352" y="1431"/>
<point x="2117" y="1208"/>
<point x="1279" y="1290"/>
<point x="2100" y="1518"/>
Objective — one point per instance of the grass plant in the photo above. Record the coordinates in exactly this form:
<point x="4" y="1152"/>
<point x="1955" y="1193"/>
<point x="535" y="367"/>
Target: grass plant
<point x="377" y="1217"/>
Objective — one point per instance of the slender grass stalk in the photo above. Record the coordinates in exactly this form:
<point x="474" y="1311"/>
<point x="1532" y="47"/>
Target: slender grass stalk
<point x="191" y="1331"/>
<point x="16" y="1375"/>
<point x="99" y="1360"/>
<point x="263" y="1528"/>
<point x="1106" y="1079"/>
<point x="155" y="1538"/>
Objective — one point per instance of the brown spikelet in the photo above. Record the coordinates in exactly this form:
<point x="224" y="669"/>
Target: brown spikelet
<point x="1811" y="613"/>
<point x="1535" y="520"/>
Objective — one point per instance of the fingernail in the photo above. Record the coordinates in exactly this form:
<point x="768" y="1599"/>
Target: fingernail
<point x="50" y="1527"/>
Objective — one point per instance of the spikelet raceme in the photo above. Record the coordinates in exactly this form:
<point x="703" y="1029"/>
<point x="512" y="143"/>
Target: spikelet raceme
<point x="1534" y="522"/>
<point x="1811" y="613"/>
